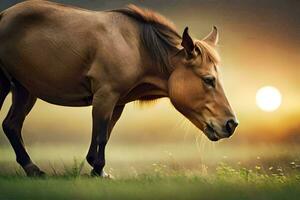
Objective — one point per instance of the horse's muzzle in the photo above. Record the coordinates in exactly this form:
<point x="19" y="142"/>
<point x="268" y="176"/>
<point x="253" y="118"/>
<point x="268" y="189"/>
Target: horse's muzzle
<point x="230" y="126"/>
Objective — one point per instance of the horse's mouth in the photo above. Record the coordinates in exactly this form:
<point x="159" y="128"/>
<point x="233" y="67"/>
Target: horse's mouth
<point x="211" y="133"/>
<point x="207" y="128"/>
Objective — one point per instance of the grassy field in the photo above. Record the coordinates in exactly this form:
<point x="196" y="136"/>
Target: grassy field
<point x="226" y="185"/>
<point x="157" y="172"/>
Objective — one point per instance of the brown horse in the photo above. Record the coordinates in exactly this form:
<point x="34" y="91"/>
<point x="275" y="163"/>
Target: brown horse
<point x="74" y="57"/>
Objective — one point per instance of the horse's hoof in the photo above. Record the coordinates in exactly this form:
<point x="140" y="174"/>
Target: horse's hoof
<point x="103" y="175"/>
<point x="32" y="170"/>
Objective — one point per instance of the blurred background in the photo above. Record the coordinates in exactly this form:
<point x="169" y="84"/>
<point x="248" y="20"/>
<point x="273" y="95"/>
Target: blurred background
<point x="259" y="46"/>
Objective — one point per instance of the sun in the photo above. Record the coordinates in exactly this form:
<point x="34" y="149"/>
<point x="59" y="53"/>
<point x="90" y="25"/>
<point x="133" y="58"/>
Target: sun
<point x="268" y="98"/>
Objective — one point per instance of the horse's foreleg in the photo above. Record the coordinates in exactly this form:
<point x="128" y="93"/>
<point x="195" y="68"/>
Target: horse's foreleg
<point x="22" y="103"/>
<point x="103" y="104"/>
<point x="115" y="117"/>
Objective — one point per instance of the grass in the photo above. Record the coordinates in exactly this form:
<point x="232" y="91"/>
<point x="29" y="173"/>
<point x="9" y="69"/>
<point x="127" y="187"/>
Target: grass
<point x="148" y="188"/>
<point x="234" y="173"/>
<point x="162" y="182"/>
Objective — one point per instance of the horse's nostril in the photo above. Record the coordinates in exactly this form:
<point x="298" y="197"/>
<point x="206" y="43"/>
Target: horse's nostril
<point x="230" y="126"/>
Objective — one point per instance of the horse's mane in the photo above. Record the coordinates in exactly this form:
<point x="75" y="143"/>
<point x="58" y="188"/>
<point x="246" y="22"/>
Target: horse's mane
<point x="158" y="34"/>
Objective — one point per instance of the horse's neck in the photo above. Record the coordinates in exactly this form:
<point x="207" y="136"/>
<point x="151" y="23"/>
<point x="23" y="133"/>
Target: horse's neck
<point x="155" y="77"/>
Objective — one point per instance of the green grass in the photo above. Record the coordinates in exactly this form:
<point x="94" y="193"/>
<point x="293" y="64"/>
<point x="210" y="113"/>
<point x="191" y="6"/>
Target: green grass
<point x="157" y="172"/>
<point x="162" y="182"/>
<point x="147" y="188"/>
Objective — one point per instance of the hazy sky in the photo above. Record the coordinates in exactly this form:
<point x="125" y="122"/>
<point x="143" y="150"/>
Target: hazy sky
<point x="259" y="45"/>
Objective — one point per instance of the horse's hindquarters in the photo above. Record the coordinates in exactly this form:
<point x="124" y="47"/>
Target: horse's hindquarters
<point x="50" y="56"/>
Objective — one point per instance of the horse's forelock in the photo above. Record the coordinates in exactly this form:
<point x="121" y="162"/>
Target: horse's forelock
<point x="208" y="52"/>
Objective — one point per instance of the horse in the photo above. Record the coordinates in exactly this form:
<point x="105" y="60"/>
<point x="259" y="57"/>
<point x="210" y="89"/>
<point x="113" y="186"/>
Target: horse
<point x="71" y="56"/>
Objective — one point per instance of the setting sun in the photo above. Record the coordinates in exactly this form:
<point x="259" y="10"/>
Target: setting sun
<point x="268" y="98"/>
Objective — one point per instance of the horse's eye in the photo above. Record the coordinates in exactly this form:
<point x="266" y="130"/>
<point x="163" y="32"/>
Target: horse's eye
<point x="210" y="81"/>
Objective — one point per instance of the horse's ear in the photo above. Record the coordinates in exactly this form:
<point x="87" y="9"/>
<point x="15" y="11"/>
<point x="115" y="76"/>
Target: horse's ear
<point x="188" y="43"/>
<point x="213" y="36"/>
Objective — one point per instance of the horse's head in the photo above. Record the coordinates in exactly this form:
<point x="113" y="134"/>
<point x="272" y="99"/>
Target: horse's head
<point x="195" y="88"/>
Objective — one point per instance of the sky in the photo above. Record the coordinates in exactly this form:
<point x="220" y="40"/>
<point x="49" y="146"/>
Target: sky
<point x="259" y="46"/>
